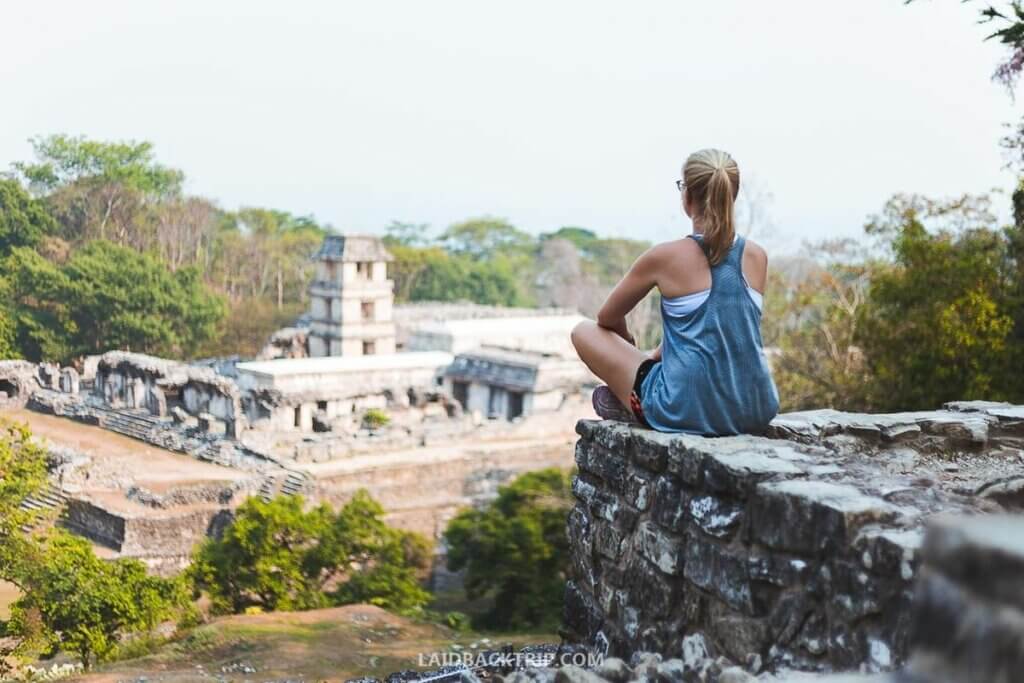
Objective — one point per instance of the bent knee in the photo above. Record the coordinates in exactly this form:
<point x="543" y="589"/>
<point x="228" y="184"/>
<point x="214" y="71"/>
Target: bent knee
<point x="581" y="332"/>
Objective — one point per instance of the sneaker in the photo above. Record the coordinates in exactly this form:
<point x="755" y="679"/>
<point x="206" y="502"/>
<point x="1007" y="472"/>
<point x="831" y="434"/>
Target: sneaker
<point x="609" y="407"/>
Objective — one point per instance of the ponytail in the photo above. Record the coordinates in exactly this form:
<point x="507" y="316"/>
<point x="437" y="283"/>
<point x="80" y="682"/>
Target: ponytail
<point x="713" y="182"/>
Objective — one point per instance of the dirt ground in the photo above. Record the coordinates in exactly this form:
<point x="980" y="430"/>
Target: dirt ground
<point x="329" y="645"/>
<point x="118" y="459"/>
<point x="8" y="594"/>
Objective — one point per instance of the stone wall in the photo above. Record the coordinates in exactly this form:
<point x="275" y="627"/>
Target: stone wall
<point x="968" y="617"/>
<point x="798" y="551"/>
<point x="422" y="492"/>
<point x="163" y="540"/>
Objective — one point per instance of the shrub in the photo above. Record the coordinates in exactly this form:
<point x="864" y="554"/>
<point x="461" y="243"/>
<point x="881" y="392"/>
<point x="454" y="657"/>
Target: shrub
<point x="375" y="418"/>
<point x="516" y="549"/>
<point x="278" y="556"/>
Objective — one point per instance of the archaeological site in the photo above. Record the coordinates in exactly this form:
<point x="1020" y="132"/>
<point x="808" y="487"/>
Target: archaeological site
<point x="836" y="542"/>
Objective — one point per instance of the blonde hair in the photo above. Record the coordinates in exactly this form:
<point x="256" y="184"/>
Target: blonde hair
<point x="712" y="182"/>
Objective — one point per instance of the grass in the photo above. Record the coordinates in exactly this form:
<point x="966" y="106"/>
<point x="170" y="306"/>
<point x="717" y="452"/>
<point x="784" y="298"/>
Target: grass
<point x="330" y="645"/>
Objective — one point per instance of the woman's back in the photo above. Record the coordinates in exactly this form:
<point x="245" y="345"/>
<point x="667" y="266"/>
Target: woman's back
<point x="713" y="378"/>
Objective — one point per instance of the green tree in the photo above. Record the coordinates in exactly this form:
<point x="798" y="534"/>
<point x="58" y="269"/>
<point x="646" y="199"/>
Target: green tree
<point x="406" y="234"/>
<point x="939" y="324"/>
<point x="24" y="221"/>
<point x="378" y="564"/>
<point x="486" y="238"/>
<point x="283" y="246"/>
<point x="516" y="550"/>
<point x="106" y="296"/>
<point x="278" y="556"/>
<point x="433" y="274"/>
<point x="811" y="319"/>
<point x="100" y="189"/>
<point x="74" y="601"/>
<point x="22" y="475"/>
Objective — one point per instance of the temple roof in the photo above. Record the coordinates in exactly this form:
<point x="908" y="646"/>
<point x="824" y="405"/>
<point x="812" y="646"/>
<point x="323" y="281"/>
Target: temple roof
<point x="353" y="248"/>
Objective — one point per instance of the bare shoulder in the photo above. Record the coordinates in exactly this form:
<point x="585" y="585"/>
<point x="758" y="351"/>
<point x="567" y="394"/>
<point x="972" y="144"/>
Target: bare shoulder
<point x="676" y="250"/>
<point x="756" y="253"/>
<point x="755" y="265"/>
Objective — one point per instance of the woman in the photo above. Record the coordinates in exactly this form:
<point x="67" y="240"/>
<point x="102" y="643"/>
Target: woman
<point x="709" y="375"/>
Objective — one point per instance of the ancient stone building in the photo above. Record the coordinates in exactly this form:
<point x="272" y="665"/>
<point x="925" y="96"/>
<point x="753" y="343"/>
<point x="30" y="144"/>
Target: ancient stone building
<point x="351" y="298"/>
<point x="503" y="384"/>
<point x="538" y="333"/>
<point x="166" y="388"/>
<point x="286" y="394"/>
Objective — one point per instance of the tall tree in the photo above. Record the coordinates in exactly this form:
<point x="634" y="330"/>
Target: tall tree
<point x="109" y="297"/>
<point x="938" y="327"/>
<point x="24" y="221"/>
<point x="516" y="550"/>
<point x="486" y="238"/>
<point x="100" y="189"/>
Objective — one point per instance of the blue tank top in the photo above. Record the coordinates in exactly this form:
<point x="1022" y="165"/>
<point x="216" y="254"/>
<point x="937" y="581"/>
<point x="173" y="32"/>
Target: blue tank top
<point x="713" y="378"/>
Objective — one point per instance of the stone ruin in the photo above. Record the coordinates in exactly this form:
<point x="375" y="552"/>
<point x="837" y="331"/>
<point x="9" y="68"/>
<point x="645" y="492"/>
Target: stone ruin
<point x="19" y="379"/>
<point x="423" y="466"/>
<point x="803" y="549"/>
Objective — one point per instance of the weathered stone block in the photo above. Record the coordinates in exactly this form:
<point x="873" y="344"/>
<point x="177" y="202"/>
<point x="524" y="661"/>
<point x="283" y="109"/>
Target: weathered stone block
<point x="721" y="571"/>
<point x="715" y="516"/>
<point x="581" y="612"/>
<point x="738" y="473"/>
<point x="669" y="508"/>
<point x="889" y="551"/>
<point x="984" y="553"/>
<point x="959" y="638"/>
<point x="612" y="509"/>
<point x="648" y="588"/>
<point x="610" y="466"/>
<point x="639" y="490"/>
<point x="662" y="549"/>
<point x="811" y="516"/>
<point x="739" y="636"/>
<point x="778" y="569"/>
<point x="584" y="491"/>
<point x="608" y="541"/>
<point x="649" y="449"/>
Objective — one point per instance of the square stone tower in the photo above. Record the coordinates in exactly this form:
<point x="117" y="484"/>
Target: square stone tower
<point x="351" y="298"/>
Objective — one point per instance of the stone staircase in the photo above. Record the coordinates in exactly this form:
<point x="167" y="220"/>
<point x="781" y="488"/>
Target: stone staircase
<point x="290" y="483"/>
<point x="138" y="424"/>
<point x="49" y="499"/>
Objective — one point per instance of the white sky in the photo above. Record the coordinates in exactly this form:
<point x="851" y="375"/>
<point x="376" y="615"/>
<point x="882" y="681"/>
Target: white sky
<point x="547" y="113"/>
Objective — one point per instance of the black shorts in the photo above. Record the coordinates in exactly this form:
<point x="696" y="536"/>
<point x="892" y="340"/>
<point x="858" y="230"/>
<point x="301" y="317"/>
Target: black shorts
<point x="635" y="399"/>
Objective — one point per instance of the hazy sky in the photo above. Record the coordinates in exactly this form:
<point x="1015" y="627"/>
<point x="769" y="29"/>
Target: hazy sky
<point x="546" y="113"/>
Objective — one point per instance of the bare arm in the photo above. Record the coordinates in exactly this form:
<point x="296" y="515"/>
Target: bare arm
<point x="628" y="293"/>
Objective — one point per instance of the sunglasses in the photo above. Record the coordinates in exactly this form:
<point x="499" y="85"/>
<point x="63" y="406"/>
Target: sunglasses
<point x="680" y="185"/>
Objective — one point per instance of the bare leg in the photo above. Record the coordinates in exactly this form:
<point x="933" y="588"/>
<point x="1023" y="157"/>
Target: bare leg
<point x="608" y="356"/>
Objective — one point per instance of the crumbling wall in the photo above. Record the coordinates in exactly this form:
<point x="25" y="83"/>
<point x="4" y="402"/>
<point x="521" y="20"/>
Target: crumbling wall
<point x="164" y="541"/>
<point x="140" y="382"/>
<point x="93" y="522"/>
<point x="18" y="379"/>
<point x="800" y="551"/>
